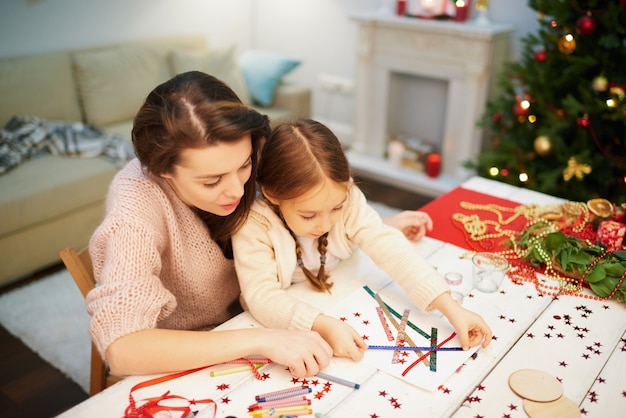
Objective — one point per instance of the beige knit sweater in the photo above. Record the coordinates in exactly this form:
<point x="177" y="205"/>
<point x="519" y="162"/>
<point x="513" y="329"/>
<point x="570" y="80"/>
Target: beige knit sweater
<point x="265" y="260"/>
<point x="155" y="263"/>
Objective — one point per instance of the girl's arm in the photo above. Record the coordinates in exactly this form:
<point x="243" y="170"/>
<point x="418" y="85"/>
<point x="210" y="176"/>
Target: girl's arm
<point x="471" y="327"/>
<point x="162" y="350"/>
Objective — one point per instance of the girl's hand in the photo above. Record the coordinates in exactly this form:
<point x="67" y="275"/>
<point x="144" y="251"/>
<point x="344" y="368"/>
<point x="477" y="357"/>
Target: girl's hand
<point x="470" y="326"/>
<point x="413" y="224"/>
<point x="342" y="337"/>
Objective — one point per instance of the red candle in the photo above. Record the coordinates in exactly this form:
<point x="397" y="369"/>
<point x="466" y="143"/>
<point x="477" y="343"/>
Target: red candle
<point x="462" y="10"/>
<point x="401" y="7"/>
<point x="433" y="164"/>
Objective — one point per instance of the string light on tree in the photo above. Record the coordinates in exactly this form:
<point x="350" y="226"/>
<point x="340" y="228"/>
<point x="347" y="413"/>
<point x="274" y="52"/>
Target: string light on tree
<point x="523" y="177"/>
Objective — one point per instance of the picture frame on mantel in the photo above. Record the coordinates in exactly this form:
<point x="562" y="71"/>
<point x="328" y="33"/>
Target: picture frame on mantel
<point x="431" y="9"/>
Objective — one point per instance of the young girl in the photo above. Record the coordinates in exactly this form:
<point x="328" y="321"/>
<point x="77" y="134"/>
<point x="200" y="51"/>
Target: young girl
<point x="309" y="217"/>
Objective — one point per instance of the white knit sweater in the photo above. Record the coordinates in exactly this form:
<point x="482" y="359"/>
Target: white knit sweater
<point x="155" y="263"/>
<point x="265" y="260"/>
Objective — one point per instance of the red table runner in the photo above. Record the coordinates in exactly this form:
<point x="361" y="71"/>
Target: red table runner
<point x="446" y="229"/>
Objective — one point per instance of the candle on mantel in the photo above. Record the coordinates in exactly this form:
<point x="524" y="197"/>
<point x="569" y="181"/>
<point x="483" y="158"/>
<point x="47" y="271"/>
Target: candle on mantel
<point x="462" y="8"/>
<point x="401" y="7"/>
<point x="433" y="164"/>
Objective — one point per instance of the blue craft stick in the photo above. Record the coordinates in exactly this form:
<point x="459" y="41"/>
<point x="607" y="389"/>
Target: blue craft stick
<point x="412" y="348"/>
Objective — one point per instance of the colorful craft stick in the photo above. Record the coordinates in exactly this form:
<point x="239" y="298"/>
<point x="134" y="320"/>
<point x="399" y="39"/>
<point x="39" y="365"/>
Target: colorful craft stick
<point x="286" y="393"/>
<point x="298" y="400"/>
<point x="412" y="348"/>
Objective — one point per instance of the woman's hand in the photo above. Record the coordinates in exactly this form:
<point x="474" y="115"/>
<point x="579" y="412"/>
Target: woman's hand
<point x="304" y="352"/>
<point x="342" y="337"/>
<point x="470" y="327"/>
<point x="413" y="224"/>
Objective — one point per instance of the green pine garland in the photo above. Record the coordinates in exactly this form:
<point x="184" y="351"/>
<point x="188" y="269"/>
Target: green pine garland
<point x="572" y="257"/>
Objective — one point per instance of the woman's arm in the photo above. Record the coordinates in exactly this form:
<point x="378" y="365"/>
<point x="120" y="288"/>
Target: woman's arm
<point x="161" y="350"/>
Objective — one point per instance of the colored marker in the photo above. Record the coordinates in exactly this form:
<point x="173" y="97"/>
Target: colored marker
<point x="412" y="348"/>
<point x="234" y="370"/>
<point x="274" y="411"/>
<point x="338" y="380"/>
<point x="286" y="394"/>
<point x="298" y="400"/>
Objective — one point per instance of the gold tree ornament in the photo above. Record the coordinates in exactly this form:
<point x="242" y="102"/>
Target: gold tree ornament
<point x="567" y="43"/>
<point x="543" y="145"/>
<point x="575" y="169"/>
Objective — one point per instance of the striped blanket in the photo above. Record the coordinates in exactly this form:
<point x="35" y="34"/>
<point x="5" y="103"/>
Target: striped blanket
<point x="25" y="137"/>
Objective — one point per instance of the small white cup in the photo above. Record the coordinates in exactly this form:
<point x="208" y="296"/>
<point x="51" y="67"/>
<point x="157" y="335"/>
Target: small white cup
<point x="395" y="150"/>
<point x="488" y="271"/>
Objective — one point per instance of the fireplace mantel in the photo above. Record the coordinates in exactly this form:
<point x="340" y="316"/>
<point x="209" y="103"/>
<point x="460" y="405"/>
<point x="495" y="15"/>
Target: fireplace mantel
<point x="465" y="55"/>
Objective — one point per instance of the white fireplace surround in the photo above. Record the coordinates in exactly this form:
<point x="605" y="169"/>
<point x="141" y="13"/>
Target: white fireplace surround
<point x="465" y="55"/>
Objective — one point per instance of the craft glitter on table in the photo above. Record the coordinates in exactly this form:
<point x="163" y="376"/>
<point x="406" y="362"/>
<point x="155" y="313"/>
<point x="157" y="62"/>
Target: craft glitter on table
<point x="575" y="339"/>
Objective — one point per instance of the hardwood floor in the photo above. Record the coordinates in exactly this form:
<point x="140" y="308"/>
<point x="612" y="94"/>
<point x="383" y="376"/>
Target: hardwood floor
<point x="31" y="387"/>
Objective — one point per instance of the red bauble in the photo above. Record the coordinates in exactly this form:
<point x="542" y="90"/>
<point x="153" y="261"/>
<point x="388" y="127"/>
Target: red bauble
<point x="583" y="122"/>
<point x="586" y="25"/>
<point x="540" y="56"/>
<point x="518" y="110"/>
<point x="497" y="117"/>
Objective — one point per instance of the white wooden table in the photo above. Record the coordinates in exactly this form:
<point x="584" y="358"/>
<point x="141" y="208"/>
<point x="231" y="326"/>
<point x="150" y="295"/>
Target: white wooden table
<point x="581" y="342"/>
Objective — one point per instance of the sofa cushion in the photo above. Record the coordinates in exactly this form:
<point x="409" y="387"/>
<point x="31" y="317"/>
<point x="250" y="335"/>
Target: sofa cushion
<point x="39" y="85"/>
<point x="220" y="63"/>
<point x="263" y="71"/>
<point x="48" y="187"/>
<point x="114" y="82"/>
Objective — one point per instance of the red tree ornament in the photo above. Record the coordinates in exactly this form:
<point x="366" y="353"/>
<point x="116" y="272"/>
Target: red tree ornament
<point x="519" y="110"/>
<point x="583" y="122"/>
<point x="586" y="25"/>
<point x="541" y="55"/>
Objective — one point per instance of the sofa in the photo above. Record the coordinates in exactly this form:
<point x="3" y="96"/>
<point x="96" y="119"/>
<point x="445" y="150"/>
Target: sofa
<point x="51" y="201"/>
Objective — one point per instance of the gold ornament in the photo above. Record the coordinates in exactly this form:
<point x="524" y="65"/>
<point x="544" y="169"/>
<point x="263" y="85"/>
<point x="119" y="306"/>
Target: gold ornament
<point x="574" y="168"/>
<point x="567" y="44"/>
<point x="600" y="83"/>
<point x="543" y="145"/>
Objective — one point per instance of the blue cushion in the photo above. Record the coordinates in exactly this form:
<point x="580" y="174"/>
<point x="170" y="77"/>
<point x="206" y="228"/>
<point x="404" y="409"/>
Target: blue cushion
<point x="263" y="71"/>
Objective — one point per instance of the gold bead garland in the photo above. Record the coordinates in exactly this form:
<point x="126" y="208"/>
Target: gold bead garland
<point x="478" y="230"/>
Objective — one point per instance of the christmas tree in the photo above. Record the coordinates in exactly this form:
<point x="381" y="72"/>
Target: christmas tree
<point x="558" y="125"/>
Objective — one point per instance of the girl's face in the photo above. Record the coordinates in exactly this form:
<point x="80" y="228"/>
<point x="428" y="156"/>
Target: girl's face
<point x="213" y="178"/>
<point x="314" y="213"/>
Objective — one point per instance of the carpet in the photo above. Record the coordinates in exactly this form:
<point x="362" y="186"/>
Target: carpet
<point x="50" y="317"/>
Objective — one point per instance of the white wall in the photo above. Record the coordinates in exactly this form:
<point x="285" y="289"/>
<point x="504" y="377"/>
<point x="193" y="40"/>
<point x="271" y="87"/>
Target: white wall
<point x="319" y="32"/>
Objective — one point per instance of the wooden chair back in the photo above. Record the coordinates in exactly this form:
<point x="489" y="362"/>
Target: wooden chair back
<point x="78" y="263"/>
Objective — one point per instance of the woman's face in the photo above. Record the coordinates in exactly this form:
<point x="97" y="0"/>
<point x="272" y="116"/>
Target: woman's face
<point x="213" y="178"/>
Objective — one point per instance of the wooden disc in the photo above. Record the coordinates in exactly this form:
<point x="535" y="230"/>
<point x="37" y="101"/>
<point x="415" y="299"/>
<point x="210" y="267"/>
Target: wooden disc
<point x="535" y="385"/>
<point x="562" y="408"/>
